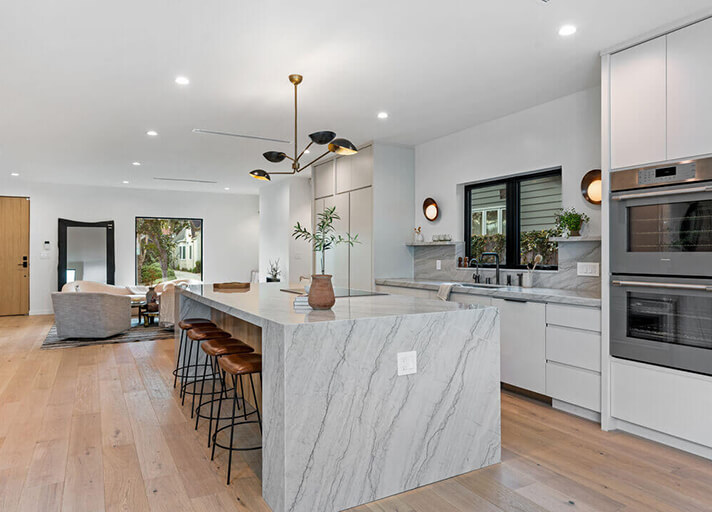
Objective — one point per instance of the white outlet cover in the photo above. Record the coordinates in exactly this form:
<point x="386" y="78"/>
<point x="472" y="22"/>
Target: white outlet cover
<point x="438" y="264"/>
<point x="588" y="269"/>
<point x="407" y="363"/>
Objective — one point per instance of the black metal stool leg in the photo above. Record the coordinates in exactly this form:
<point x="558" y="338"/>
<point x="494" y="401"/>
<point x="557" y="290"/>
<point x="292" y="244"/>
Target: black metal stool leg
<point x="195" y="380"/>
<point x="187" y="346"/>
<point x="180" y="349"/>
<point x="232" y="430"/>
<point x="217" y="424"/>
<point x="202" y="390"/>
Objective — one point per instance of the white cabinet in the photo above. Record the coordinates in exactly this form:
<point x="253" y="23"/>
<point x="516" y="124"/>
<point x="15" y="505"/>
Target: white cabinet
<point x="522" y="339"/>
<point x="689" y="100"/>
<point x="354" y="171"/>
<point x="638" y="97"/>
<point x="337" y="258"/>
<point x="573" y="354"/>
<point x="361" y="254"/>
<point x="323" y="180"/>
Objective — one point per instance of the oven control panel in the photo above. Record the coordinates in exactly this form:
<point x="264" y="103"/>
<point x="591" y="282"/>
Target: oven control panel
<point x="675" y="173"/>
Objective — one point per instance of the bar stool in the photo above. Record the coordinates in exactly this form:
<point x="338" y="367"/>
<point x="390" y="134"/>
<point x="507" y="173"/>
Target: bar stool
<point x="185" y="326"/>
<point x="213" y="350"/>
<point x="238" y="365"/>
<point x="198" y="334"/>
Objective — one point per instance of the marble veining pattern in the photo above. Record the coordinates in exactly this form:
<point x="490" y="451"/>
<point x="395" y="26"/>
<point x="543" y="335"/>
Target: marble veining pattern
<point x="564" y="278"/>
<point x="357" y="432"/>
<point x="340" y="427"/>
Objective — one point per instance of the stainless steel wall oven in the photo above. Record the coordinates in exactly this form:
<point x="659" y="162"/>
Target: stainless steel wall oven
<point x="661" y="265"/>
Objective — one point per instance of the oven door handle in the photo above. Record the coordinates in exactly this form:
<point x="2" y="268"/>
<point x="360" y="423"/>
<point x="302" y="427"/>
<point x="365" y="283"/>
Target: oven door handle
<point x="658" y="193"/>
<point x="675" y="286"/>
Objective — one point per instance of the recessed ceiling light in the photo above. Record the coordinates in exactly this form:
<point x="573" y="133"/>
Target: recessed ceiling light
<point x="14" y="174"/>
<point x="136" y="163"/>
<point x="567" y="30"/>
<point x="182" y="80"/>
<point x="151" y="133"/>
<point x="227" y="188"/>
<point x="125" y="182"/>
<point x="383" y="115"/>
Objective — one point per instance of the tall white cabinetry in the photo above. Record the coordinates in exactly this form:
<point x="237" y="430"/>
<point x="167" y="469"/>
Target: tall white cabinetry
<point x="638" y="104"/>
<point x="346" y="183"/>
<point x="660" y="105"/>
<point x="689" y="98"/>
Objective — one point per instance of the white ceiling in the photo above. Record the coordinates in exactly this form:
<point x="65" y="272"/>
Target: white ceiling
<point x="81" y="81"/>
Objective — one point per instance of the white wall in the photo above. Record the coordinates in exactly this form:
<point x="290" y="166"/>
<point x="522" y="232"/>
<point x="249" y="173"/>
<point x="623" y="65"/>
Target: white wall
<point x="565" y="132"/>
<point x="230" y="228"/>
<point x="300" y="210"/>
<point x="282" y="204"/>
<point x="274" y="228"/>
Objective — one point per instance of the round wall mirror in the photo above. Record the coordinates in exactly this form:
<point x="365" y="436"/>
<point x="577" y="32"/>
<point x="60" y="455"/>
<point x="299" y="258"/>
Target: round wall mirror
<point x="430" y="209"/>
<point x="591" y="186"/>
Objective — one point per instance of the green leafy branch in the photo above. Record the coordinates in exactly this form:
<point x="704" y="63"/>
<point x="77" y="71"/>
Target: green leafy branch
<point x="324" y="237"/>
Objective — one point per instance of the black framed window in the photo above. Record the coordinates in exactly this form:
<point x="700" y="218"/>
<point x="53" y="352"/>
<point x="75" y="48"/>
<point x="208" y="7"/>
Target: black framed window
<point x="514" y="217"/>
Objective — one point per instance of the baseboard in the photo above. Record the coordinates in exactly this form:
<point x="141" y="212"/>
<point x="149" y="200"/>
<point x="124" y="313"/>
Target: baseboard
<point x="525" y="392"/>
<point x="576" y="410"/>
<point x="666" y="439"/>
<point x="37" y="312"/>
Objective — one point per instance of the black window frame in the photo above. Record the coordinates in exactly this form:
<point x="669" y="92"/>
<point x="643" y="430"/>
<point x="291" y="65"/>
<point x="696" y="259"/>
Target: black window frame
<point x="512" y="232"/>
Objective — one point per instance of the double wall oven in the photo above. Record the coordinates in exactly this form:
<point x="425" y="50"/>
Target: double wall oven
<point x="661" y="265"/>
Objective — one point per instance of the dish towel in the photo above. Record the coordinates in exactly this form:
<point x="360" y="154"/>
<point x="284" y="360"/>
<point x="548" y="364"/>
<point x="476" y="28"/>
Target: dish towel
<point x="444" y="291"/>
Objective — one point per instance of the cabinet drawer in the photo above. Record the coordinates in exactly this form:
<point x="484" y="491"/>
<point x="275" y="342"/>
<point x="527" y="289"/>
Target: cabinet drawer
<point x="573" y="347"/>
<point x="573" y="385"/>
<point x="578" y="317"/>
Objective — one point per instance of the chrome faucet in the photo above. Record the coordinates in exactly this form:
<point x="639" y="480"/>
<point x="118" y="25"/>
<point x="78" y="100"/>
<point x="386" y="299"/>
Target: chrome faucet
<point x="496" y="262"/>
<point x="476" y="264"/>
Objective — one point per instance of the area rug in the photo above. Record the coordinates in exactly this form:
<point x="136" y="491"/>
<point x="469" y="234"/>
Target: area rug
<point x="137" y="332"/>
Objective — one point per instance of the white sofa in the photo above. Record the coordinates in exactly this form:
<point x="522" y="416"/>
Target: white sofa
<point x="91" y="314"/>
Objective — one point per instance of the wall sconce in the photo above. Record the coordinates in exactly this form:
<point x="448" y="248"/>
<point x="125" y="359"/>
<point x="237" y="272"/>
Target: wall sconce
<point x="591" y="186"/>
<point x="431" y="209"/>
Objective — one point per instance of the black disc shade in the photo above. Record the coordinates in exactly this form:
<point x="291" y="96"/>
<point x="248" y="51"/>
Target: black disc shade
<point x="274" y="156"/>
<point x="259" y="174"/>
<point x="342" y="147"/>
<point x="322" y="138"/>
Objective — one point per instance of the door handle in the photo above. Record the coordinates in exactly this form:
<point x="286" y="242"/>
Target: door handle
<point x="516" y="300"/>
<point x="673" y="286"/>
<point x="657" y="193"/>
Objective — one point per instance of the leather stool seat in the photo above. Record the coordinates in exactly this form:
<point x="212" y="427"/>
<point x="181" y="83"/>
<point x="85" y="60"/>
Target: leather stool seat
<point x="189" y="323"/>
<point x="221" y="347"/>
<point x="209" y="333"/>
<point x="241" y="364"/>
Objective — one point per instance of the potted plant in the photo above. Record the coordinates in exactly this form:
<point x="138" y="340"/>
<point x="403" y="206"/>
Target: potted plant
<point x="273" y="272"/>
<point x="321" y="291"/>
<point x="571" y="221"/>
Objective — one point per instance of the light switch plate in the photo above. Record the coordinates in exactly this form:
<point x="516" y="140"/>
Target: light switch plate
<point x="438" y="264"/>
<point x="407" y="363"/>
<point x="588" y="269"/>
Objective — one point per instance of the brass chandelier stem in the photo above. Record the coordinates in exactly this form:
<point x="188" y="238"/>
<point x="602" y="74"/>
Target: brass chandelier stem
<point x="295" y="165"/>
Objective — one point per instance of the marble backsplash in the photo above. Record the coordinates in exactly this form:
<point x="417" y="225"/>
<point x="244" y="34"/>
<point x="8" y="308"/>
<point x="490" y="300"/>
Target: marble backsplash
<point x="565" y="277"/>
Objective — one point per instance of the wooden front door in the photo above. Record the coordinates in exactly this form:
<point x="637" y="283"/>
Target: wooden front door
<point x="14" y="256"/>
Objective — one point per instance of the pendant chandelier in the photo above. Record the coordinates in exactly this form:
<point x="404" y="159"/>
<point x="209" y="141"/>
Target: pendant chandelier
<point x="334" y="145"/>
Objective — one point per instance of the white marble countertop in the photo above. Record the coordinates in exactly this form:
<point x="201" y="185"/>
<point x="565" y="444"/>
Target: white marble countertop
<point x="552" y="295"/>
<point x="266" y="302"/>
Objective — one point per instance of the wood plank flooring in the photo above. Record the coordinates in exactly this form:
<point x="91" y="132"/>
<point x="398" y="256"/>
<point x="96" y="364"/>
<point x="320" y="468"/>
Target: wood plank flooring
<point x="101" y="429"/>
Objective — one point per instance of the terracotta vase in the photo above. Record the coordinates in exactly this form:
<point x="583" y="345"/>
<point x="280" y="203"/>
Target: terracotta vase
<point x="321" y="292"/>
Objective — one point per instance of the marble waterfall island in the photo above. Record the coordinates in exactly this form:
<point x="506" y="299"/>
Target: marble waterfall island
<point x="341" y="427"/>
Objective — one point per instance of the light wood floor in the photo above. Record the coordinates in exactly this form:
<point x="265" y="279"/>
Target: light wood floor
<point x="100" y="428"/>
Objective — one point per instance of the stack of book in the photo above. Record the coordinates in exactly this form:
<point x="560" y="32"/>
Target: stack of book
<point x="301" y="304"/>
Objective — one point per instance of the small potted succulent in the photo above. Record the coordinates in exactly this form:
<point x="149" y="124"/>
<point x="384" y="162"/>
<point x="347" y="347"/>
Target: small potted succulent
<point x="570" y="221"/>
<point x="321" y="291"/>
<point x="273" y="272"/>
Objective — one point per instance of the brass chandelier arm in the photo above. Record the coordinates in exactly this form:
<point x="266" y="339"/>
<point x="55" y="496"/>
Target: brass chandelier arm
<point x="314" y="161"/>
<point x="282" y="172"/>
<point x="300" y="154"/>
